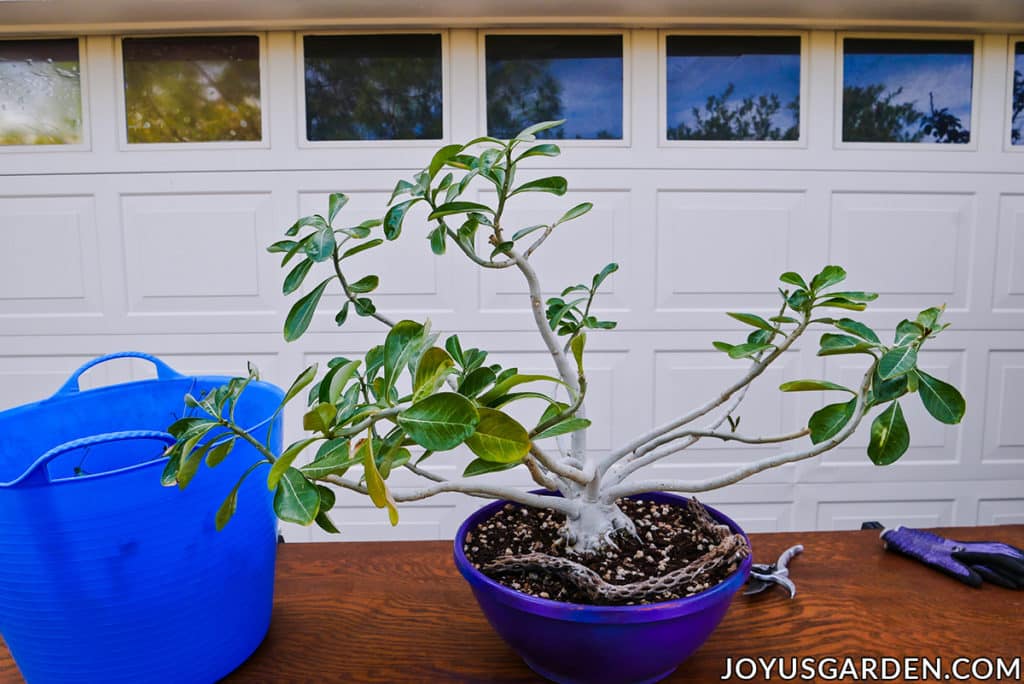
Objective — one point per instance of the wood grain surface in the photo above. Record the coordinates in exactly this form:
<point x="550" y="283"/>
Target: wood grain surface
<point x="400" y="612"/>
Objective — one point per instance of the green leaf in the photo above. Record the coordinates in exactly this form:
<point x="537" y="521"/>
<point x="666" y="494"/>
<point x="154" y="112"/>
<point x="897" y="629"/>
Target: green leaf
<point x="339" y="318"/>
<point x="454" y="348"/>
<point x="300" y="383"/>
<point x="334" y="458"/>
<point x="537" y="128"/>
<point x="907" y="332"/>
<point x="297" y="499"/>
<point x="498" y="438"/>
<point x="316" y="221"/>
<point x="379" y="494"/>
<point x="839" y="303"/>
<point x="479" y="466"/>
<point x="216" y="455"/>
<point x="832" y="344"/>
<point x="336" y="201"/>
<point x="855" y="296"/>
<point x="941" y="399"/>
<point x="321" y="245"/>
<point x="505" y="385"/>
<point x="301" y="313"/>
<point x="285" y="460"/>
<point x="556" y="185"/>
<point x="751" y="319"/>
<point x="889" y="436"/>
<point x="829" y="276"/>
<point x="566" y="426"/>
<point x="827" y="421"/>
<point x="227" y="509"/>
<point x="458" y="208"/>
<point x="441" y="157"/>
<point x="600" y="277"/>
<point x="857" y="328"/>
<point x="401" y="187"/>
<point x="433" y="367"/>
<point x="294" y="279"/>
<point x="319" y="418"/>
<point x="576" y="345"/>
<point x="783" y="319"/>
<point x="742" y="351"/>
<point x="896" y="362"/>
<point x="929" y="317"/>
<point x="812" y="386"/>
<point x="364" y="285"/>
<point x="438" y="241"/>
<point x="476" y="382"/>
<point x="335" y="380"/>
<point x="799" y="301"/>
<point x="545" y="150"/>
<point x="504" y="399"/>
<point x="575" y="212"/>
<point x="887" y="390"/>
<point x="441" y="421"/>
<point x="365" y="307"/>
<point x="395" y="216"/>
<point x="362" y="247"/>
<point x="398" y="348"/>
<point x="722" y="346"/>
<point x="793" y="279"/>
<point x="282" y="246"/>
<point x="523" y="232"/>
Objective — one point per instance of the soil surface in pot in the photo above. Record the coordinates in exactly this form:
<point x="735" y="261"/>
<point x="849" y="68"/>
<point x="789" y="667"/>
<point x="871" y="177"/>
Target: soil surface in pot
<point x="669" y="538"/>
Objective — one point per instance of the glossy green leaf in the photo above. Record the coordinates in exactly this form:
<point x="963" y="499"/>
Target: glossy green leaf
<point x="379" y="494"/>
<point x="722" y="346"/>
<point x="565" y="427"/>
<point x="285" y="460"/>
<point x="812" y="386"/>
<point x="793" y="279"/>
<point x="364" y="306"/>
<point x="476" y="381"/>
<point x="857" y="328"/>
<point x="363" y="285"/>
<point x="342" y="315"/>
<point x="826" y="422"/>
<point x="498" y="438"/>
<point x="523" y="232"/>
<point x="505" y="385"/>
<point x="743" y="351"/>
<point x="479" y="466"/>
<point x="402" y="187"/>
<point x="556" y="185"/>
<point x="321" y="245"/>
<point x="889" y="436"/>
<point x="929" y="317"/>
<point x="832" y="344"/>
<point x="943" y="401"/>
<point x="603" y="275"/>
<point x="335" y="202"/>
<point x="296" y="499"/>
<point x="907" y="332"/>
<point x="752" y="319"/>
<point x="282" y="246"/>
<point x="319" y="418"/>
<point x="839" y="303"/>
<point x="576" y="346"/>
<point x="334" y="458"/>
<point x="398" y="348"/>
<point x="575" y="212"/>
<point x="829" y="276"/>
<point x="227" y="509"/>
<point x="438" y="240"/>
<point x="434" y="366"/>
<point x="441" y="421"/>
<point x="896" y="362"/>
<point x="362" y="247"/>
<point x="887" y="390"/>
<point x="216" y="455"/>
<point x="301" y="313"/>
<point x="395" y="216"/>
<point x="458" y="208"/>
<point x="537" y="128"/>
<point x="799" y="301"/>
<point x="855" y="296"/>
<point x="335" y="380"/>
<point x="441" y="157"/>
<point x="294" y="279"/>
<point x="543" y="150"/>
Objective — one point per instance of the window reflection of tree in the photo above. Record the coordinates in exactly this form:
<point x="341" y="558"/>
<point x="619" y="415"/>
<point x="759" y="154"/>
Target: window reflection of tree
<point x="872" y="114"/>
<point x="1017" y="107"/>
<point x="373" y="87"/>
<point x="193" y="89"/>
<point x="40" y="92"/>
<point x="521" y="92"/>
<point x="751" y="118"/>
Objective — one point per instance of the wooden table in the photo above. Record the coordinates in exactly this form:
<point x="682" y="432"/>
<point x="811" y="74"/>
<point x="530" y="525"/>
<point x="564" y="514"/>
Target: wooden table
<point x="400" y="612"/>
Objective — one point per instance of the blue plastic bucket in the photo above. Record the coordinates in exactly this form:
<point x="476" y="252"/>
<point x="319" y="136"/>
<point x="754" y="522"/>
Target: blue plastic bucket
<point x="107" y="576"/>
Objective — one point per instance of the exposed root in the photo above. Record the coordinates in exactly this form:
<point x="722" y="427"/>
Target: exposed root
<point x="729" y="549"/>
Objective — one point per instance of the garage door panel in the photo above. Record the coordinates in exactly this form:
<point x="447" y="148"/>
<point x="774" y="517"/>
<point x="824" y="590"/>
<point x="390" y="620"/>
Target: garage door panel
<point x="1009" y="270"/>
<point x="49" y="264"/>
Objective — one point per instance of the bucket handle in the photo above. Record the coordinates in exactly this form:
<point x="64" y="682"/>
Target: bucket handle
<point x="37" y="473"/>
<point x="163" y="371"/>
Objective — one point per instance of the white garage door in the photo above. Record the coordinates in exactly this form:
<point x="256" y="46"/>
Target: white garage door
<point x="123" y="234"/>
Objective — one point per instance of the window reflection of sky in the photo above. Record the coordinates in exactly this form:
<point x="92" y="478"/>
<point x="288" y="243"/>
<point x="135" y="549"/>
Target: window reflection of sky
<point x="693" y="79"/>
<point x="588" y="73"/>
<point x="945" y="75"/>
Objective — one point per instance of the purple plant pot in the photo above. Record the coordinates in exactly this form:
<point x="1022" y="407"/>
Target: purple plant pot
<point x="583" y="644"/>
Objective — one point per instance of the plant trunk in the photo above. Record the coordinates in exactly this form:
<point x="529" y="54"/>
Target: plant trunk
<point x="593" y="529"/>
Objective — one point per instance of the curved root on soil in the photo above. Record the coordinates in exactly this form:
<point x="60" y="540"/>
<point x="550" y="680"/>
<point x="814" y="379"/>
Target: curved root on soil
<point x="728" y="549"/>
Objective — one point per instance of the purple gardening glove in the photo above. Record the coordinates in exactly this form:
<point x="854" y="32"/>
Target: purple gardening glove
<point x="969" y="562"/>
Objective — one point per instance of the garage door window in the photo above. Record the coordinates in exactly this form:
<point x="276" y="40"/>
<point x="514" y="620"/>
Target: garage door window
<point x="373" y="87"/>
<point x="1017" y="97"/>
<point x="192" y="89"/>
<point x="907" y="91"/>
<point x="543" y="77"/>
<point x="40" y="92"/>
<point x="722" y="87"/>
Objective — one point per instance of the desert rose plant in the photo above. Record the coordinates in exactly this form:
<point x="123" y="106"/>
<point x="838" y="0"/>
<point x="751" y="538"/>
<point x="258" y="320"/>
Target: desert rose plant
<point x="368" y="415"/>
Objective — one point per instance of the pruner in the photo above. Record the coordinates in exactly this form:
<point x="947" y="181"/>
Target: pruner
<point x="764" y="574"/>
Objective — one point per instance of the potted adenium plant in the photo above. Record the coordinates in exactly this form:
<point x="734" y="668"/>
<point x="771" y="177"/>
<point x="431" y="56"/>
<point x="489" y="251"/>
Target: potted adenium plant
<point x="599" y="575"/>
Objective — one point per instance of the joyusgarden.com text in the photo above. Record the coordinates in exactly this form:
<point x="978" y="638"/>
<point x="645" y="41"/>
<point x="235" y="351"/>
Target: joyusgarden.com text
<point x="880" y="669"/>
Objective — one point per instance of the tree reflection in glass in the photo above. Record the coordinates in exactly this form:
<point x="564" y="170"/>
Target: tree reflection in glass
<point x="373" y="87"/>
<point x="192" y="89"/>
<point x="534" y="78"/>
<point x="1017" y="100"/>
<point x="905" y="90"/>
<point x="733" y="87"/>
<point x="40" y="92"/>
